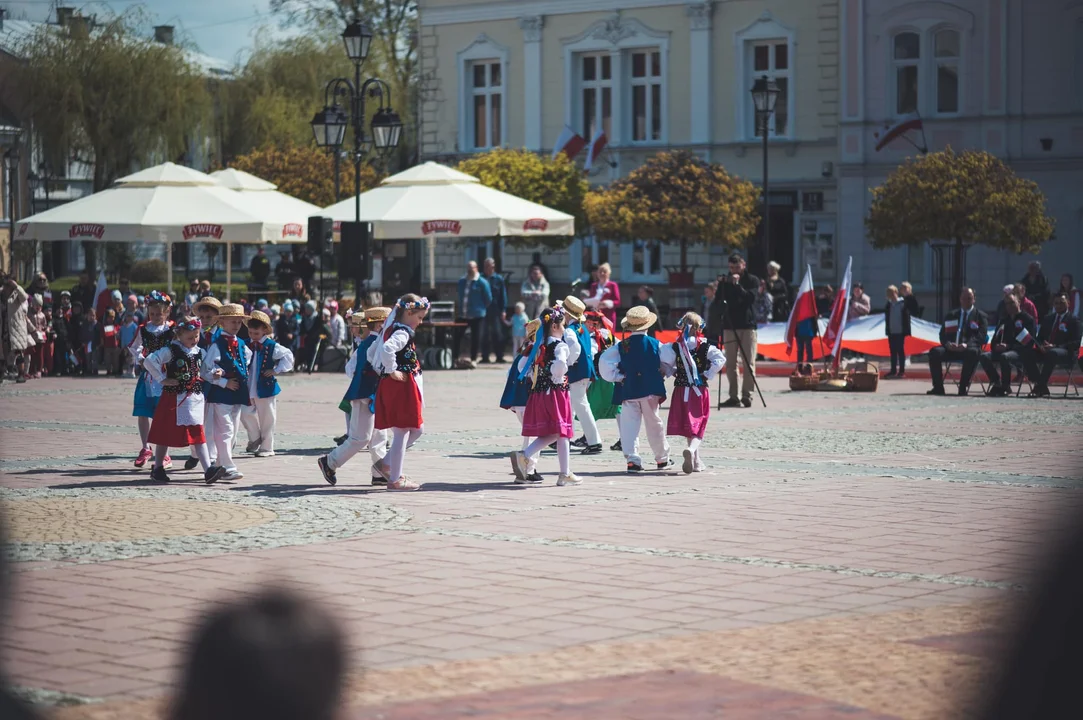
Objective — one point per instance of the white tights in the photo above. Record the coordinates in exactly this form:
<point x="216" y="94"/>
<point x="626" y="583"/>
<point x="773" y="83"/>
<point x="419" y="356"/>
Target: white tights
<point x="199" y="451"/>
<point x="401" y="440"/>
<point x="144" y="432"/>
<point x="564" y="452"/>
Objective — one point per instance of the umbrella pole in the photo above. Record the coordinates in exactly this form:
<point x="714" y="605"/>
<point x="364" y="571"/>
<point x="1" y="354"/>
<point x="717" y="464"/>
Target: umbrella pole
<point x="169" y="266"/>
<point x="430" y="241"/>
<point x="229" y="271"/>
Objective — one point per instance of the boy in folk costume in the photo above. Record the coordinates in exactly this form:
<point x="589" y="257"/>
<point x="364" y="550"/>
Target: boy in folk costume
<point x="178" y="418"/>
<point x="581" y="372"/>
<point x="517" y="393"/>
<point x="635" y="362"/>
<point x="600" y="394"/>
<point x="400" y="394"/>
<point x="694" y="362"/>
<point x="359" y="331"/>
<point x="154" y="335"/>
<point x="361" y="396"/>
<point x="268" y="360"/>
<point x="225" y="370"/>
<point x="548" y="415"/>
<point x="207" y="310"/>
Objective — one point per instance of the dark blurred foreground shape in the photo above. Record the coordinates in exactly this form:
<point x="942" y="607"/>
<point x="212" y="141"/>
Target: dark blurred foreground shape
<point x="10" y="707"/>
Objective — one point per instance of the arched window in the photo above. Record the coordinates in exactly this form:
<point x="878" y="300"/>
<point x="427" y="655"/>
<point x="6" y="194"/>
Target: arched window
<point x="907" y="59"/>
<point x="947" y="53"/>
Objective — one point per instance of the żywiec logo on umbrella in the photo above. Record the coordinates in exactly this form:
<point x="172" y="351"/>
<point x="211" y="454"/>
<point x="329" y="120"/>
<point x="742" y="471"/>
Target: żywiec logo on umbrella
<point x="536" y="224"/>
<point x="86" y="230"/>
<point x="202" y="230"/>
<point x="292" y="230"/>
<point x="432" y="227"/>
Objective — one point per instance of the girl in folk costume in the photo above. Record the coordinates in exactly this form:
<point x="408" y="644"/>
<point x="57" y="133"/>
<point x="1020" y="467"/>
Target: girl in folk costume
<point x="361" y="397"/>
<point x="207" y="309"/>
<point x="600" y="392"/>
<point x="178" y="418"/>
<point x="694" y="362"/>
<point x="400" y="394"/>
<point x="154" y="335"/>
<point x="636" y="364"/>
<point x="516" y="394"/>
<point x="548" y="416"/>
<point x="225" y="370"/>
<point x="581" y="373"/>
<point x="268" y="359"/>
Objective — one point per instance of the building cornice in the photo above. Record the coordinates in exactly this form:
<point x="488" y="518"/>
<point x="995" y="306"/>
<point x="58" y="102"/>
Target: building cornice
<point x="514" y="9"/>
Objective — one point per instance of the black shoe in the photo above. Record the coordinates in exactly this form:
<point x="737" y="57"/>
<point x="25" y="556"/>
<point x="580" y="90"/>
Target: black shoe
<point x="158" y="475"/>
<point x="963" y="391"/>
<point x="1039" y="391"/>
<point x="381" y="480"/>
<point x="666" y="464"/>
<point x="890" y="374"/>
<point x="535" y="477"/>
<point x="936" y="391"/>
<point x="633" y="468"/>
<point x="341" y="439"/>
<point x="484" y="361"/>
<point x="214" y="474"/>
<point x="616" y="446"/>
<point x="190" y="463"/>
<point x="552" y="446"/>
<point x="580" y="442"/>
<point x="328" y="473"/>
<point x="732" y="402"/>
<point x="592" y="449"/>
<point x="746" y="402"/>
<point x="501" y="361"/>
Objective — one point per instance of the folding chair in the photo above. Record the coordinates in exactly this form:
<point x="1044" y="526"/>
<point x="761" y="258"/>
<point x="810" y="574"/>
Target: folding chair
<point x="1022" y="379"/>
<point x="1068" y="384"/>
<point x="955" y="381"/>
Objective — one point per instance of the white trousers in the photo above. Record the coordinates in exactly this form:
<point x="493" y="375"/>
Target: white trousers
<point x="362" y="434"/>
<point x="208" y="430"/>
<point x="259" y="418"/>
<point x="581" y="408"/>
<point x="643" y="411"/>
<point x="226" y="419"/>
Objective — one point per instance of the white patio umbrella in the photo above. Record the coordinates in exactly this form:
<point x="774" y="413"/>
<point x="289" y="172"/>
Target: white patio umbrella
<point x="166" y="203"/>
<point x="267" y="195"/>
<point x="432" y="200"/>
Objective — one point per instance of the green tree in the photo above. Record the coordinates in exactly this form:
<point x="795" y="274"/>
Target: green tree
<point x="968" y="198"/>
<point x="556" y="184"/>
<point x="304" y="172"/>
<point x="676" y="197"/>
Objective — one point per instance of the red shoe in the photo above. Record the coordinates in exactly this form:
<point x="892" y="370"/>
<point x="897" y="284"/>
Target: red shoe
<point x="144" y="455"/>
<point x="167" y="463"/>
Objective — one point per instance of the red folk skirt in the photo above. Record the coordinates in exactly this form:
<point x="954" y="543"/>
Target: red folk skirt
<point x="689" y="418"/>
<point x="398" y="404"/>
<point x="548" y="413"/>
<point x="164" y="429"/>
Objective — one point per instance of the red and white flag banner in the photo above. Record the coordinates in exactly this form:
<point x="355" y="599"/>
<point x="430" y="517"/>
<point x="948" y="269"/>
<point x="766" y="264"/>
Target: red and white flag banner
<point x="570" y="143"/>
<point x="597" y="144"/>
<point x="839" y="313"/>
<point x="892" y="131"/>
<point x="804" y="307"/>
<point x="102" y="296"/>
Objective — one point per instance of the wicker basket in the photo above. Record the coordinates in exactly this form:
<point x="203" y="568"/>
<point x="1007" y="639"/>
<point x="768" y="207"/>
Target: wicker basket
<point x="864" y="381"/>
<point x="804" y="382"/>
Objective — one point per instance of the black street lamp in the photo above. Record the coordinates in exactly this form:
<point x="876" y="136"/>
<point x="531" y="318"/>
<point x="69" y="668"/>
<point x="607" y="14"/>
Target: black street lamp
<point x="764" y="96"/>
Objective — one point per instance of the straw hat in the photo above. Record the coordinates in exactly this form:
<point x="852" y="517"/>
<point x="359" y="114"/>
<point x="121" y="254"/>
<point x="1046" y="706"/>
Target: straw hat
<point x="259" y="317"/>
<point x="376" y="314"/>
<point x="232" y="310"/>
<point x="574" y="307"/>
<point x="638" y="318"/>
<point x="209" y="302"/>
<point x="532" y="327"/>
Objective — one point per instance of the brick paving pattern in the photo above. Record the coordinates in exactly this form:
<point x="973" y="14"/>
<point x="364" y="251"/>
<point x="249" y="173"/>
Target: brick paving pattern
<point x="846" y="555"/>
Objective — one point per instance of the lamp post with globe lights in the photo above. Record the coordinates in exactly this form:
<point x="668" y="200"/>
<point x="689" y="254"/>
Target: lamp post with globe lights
<point x="764" y="96"/>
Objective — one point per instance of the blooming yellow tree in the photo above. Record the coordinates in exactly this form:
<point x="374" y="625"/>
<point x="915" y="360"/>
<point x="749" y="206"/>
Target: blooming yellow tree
<point x="556" y="184"/>
<point x="965" y="198"/>
<point x="307" y="173"/>
<point x="676" y="197"/>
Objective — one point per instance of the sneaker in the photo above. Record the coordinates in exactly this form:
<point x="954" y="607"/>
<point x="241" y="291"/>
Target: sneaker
<point x="524" y="465"/>
<point x="552" y="446"/>
<point x="901" y="375"/>
<point x="891" y="374"/>
<point x="633" y="468"/>
<point x="191" y="463"/>
<point x="746" y="402"/>
<point x="580" y="442"/>
<point x="732" y="402"/>
<point x="265" y="453"/>
<point x="616" y="446"/>
<point x="232" y="474"/>
<point x="381" y="480"/>
<point x="403" y="485"/>
<point x="158" y="475"/>
<point x="936" y="391"/>
<point x="340" y="439"/>
<point x="167" y="462"/>
<point x="535" y="477"/>
<point x="143" y="456"/>
<point x="689" y="464"/>
<point x="963" y="391"/>
<point x="214" y="474"/>
<point x="328" y="473"/>
<point x="569" y="479"/>
<point x="378" y="469"/>
<point x="515" y="469"/>
<point x="700" y="465"/>
<point x="253" y="445"/>
<point x="592" y="449"/>
<point x="664" y="465"/>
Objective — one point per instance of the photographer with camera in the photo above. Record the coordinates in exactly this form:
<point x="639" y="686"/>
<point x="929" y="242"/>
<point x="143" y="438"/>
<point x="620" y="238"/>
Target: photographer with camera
<point x="732" y="311"/>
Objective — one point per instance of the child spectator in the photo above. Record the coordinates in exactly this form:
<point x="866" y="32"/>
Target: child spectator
<point x="89" y="341"/>
<point x="37" y="326"/>
<point x="128" y="330"/>
<point x="518" y="327"/>
<point x="50" y="343"/>
<point x="109" y="337"/>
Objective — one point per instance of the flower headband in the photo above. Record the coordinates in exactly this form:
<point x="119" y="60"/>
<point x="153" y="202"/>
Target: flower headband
<point x="189" y="324"/>
<point x="158" y="297"/>
<point x="422" y="304"/>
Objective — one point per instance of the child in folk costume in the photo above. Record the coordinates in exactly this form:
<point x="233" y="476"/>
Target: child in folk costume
<point x="580" y="373"/>
<point x="635" y="362"/>
<point x="359" y="331"/>
<point x="548" y="416"/>
<point x="268" y="359"/>
<point x="400" y="394"/>
<point x="361" y="396"/>
<point x="178" y="418"/>
<point x="207" y="309"/>
<point x="154" y="335"/>
<point x="694" y="362"/>
<point x="516" y="394"/>
<point x="225" y="370"/>
<point x="600" y="394"/>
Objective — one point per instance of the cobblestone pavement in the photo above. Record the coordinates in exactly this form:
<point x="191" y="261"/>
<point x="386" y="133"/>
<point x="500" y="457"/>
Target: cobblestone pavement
<point x="846" y="555"/>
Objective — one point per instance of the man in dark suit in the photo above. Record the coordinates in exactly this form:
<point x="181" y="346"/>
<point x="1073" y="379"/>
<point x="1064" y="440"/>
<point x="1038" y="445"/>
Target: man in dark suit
<point x="1057" y="345"/>
<point x="962" y="338"/>
<point x="1013" y="336"/>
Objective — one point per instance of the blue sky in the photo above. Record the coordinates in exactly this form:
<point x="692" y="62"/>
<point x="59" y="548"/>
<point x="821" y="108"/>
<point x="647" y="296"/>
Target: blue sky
<point x="224" y="29"/>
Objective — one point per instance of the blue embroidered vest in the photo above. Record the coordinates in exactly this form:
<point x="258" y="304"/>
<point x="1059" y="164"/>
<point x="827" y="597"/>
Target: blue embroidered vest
<point x="640" y="361"/>
<point x="265" y="360"/>
<point x="207" y="337"/>
<point x="365" y="378"/>
<point x="583" y="369"/>
<point x="233" y="368"/>
<point x="516" y="391"/>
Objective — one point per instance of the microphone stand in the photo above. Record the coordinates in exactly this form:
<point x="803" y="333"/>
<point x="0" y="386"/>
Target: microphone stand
<point x="740" y="347"/>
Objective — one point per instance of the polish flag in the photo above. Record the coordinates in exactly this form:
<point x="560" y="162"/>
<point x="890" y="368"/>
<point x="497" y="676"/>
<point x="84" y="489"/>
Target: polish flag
<point x="570" y="143"/>
<point x="804" y="308"/>
<point x="597" y="144"/>
<point x="102" y="296"/>
<point x="839" y="313"/>
<point x="891" y="132"/>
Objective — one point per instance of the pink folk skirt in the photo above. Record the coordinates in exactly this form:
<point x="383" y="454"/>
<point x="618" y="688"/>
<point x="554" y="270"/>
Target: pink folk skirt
<point x="688" y="418"/>
<point x="548" y="413"/>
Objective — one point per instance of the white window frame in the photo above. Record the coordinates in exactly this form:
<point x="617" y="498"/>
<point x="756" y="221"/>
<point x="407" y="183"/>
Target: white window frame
<point x="765" y="29"/>
<point x="648" y="81"/>
<point x="598" y="85"/>
<point x="654" y="275"/>
<point x="897" y="65"/>
<point x="937" y="63"/>
<point x="926" y="261"/>
<point x="772" y="74"/>
<point x="927" y="65"/>
<point x="616" y="35"/>
<point x="488" y="91"/>
<point x="482" y="49"/>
